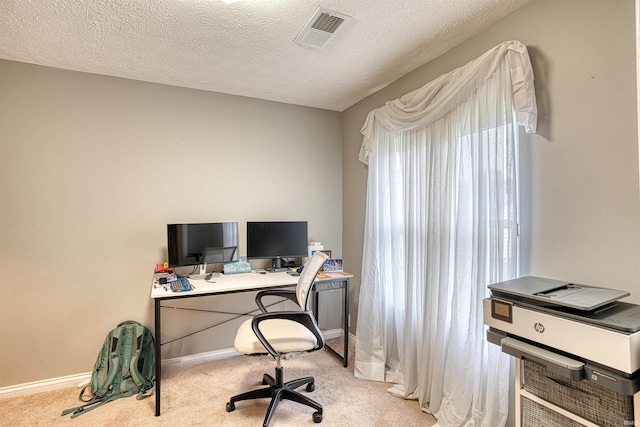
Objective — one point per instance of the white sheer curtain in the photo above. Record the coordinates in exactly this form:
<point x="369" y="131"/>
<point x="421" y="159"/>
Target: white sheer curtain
<point x="441" y="224"/>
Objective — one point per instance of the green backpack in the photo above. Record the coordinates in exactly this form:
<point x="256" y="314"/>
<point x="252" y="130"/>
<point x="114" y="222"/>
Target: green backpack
<point x="125" y="366"/>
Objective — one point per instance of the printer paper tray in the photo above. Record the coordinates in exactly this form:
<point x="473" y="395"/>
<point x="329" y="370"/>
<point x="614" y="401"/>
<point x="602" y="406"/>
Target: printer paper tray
<point x="557" y="363"/>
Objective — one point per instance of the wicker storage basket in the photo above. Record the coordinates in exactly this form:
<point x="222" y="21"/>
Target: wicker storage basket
<point x="536" y="415"/>
<point x="586" y="399"/>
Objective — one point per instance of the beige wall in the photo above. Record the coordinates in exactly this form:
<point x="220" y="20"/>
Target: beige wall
<point x="92" y="169"/>
<point x="580" y="198"/>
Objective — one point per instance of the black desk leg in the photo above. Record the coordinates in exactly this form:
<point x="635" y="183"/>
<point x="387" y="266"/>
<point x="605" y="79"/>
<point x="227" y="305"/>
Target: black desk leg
<point x="158" y="354"/>
<point x="346" y="323"/>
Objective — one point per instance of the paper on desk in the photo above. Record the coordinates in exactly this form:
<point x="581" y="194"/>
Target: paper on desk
<point x="333" y="275"/>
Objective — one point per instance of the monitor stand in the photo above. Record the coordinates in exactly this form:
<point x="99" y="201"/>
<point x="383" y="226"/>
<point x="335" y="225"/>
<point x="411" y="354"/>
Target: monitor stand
<point x="276" y="265"/>
<point x="201" y="274"/>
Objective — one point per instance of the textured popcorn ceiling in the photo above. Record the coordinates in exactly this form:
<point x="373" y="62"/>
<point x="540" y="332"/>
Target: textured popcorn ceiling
<point x="245" y="48"/>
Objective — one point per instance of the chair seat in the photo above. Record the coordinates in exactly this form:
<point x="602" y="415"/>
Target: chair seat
<point x="286" y="336"/>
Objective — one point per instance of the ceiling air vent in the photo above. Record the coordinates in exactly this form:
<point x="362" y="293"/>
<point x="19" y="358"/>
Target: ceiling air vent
<point x="321" y="28"/>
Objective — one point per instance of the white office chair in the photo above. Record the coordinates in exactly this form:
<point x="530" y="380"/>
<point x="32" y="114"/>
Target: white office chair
<point x="283" y="334"/>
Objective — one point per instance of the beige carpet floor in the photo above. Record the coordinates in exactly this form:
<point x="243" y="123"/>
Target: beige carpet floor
<point x="196" y="396"/>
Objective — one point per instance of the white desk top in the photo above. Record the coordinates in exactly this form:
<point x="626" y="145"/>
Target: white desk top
<point x="241" y="282"/>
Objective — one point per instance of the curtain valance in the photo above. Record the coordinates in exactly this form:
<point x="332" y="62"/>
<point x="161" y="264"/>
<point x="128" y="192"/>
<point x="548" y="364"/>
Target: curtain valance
<point x="432" y="101"/>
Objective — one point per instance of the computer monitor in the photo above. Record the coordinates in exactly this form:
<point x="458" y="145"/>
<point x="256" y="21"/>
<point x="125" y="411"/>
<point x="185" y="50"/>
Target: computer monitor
<point x="202" y="244"/>
<point x="277" y="240"/>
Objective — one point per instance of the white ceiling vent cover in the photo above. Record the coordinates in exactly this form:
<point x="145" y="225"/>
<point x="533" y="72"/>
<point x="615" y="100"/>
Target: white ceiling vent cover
<point x="321" y="28"/>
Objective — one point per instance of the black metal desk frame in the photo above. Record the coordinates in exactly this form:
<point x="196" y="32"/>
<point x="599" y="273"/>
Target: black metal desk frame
<point x="319" y="286"/>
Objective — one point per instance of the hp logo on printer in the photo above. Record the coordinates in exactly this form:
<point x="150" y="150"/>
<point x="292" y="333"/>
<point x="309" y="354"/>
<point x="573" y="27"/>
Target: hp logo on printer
<point x="539" y="327"/>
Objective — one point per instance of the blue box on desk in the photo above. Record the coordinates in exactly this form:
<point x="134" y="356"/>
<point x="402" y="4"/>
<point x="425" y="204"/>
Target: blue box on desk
<point x="332" y="265"/>
<point x="235" y="267"/>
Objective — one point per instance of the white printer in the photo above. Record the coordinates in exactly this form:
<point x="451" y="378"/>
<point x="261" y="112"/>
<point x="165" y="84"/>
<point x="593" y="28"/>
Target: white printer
<point x="580" y="333"/>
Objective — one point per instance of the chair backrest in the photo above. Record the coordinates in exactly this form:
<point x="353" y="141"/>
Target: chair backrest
<point x="307" y="276"/>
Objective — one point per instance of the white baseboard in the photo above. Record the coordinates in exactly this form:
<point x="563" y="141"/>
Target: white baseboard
<point x="337" y="333"/>
<point x="332" y="333"/>
<point x="196" y="359"/>
<point x="44" y="385"/>
<point x="77" y="379"/>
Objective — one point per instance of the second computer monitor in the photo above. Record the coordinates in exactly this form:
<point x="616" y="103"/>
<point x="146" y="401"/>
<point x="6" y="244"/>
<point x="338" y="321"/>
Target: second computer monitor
<point x="276" y="240"/>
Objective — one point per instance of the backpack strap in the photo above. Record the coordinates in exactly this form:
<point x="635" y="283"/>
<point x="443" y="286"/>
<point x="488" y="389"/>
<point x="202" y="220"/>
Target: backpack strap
<point x="133" y="365"/>
<point x="143" y="383"/>
<point x="88" y="386"/>
<point x="92" y="404"/>
<point x="114" y="362"/>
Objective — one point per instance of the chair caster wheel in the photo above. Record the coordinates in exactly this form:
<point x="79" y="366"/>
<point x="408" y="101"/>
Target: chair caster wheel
<point x="311" y="387"/>
<point x="232" y="406"/>
<point x="317" y="417"/>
